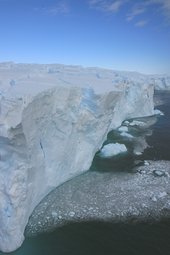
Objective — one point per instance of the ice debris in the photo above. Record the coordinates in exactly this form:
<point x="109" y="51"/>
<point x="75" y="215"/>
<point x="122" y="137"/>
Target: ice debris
<point x="112" y="149"/>
<point x="158" y="112"/>
<point x="158" y="173"/>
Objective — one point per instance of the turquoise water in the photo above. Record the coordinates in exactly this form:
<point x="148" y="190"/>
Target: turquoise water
<point x="99" y="238"/>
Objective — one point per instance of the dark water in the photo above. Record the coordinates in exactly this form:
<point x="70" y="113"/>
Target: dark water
<point x="98" y="238"/>
<point x="160" y="139"/>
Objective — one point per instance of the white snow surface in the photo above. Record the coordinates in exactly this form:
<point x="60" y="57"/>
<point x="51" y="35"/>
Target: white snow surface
<point x="112" y="149"/>
<point x="53" y="119"/>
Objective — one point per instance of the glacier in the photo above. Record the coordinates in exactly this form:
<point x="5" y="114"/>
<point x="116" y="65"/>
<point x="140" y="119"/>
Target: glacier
<point x="53" y="119"/>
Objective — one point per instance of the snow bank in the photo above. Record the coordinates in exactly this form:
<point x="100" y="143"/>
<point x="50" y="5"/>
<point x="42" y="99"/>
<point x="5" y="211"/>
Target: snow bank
<point x="112" y="149"/>
<point x="53" y="119"/>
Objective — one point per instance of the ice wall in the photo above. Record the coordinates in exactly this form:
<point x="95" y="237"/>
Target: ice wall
<point x="53" y="119"/>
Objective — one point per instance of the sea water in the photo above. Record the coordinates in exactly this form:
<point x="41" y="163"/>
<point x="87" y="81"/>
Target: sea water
<point x="99" y="238"/>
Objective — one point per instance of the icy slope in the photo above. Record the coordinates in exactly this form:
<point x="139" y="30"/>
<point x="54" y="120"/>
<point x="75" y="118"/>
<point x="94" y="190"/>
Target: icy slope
<point x="53" y="119"/>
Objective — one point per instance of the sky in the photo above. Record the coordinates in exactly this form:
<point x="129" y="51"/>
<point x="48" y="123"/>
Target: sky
<point x="130" y="35"/>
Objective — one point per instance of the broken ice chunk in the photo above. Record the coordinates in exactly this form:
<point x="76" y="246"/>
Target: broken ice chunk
<point x="158" y="112"/>
<point x="112" y="149"/>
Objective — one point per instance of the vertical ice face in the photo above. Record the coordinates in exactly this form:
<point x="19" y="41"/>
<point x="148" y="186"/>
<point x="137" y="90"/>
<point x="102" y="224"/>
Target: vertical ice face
<point x="13" y="188"/>
<point x="50" y="131"/>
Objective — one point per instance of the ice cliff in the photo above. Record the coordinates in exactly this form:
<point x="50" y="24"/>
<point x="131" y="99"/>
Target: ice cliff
<point x="53" y="119"/>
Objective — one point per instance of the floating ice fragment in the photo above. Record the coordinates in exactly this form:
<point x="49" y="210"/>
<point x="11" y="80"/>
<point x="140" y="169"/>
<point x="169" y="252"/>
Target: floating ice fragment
<point x="137" y="123"/>
<point x="162" y="194"/>
<point x="137" y="153"/>
<point x="154" y="199"/>
<point x="158" y="112"/>
<point x="126" y="122"/>
<point x="126" y="134"/>
<point x="123" y="129"/>
<point x="167" y="206"/>
<point x="146" y="163"/>
<point x="71" y="214"/>
<point x="112" y="149"/>
<point x="54" y="214"/>
<point x="158" y="173"/>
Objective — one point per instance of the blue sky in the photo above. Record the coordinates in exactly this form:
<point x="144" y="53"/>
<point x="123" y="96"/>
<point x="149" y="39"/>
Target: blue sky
<point x="119" y="34"/>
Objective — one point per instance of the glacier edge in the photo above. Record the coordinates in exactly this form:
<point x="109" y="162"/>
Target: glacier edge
<point x="52" y="136"/>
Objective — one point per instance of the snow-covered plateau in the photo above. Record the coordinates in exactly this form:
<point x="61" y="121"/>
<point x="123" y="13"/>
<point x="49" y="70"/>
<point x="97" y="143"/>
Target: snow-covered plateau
<point x="53" y="119"/>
